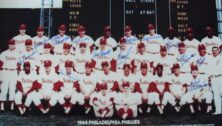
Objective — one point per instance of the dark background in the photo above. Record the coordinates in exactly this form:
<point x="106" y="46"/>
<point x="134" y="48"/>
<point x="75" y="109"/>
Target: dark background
<point x="95" y="15"/>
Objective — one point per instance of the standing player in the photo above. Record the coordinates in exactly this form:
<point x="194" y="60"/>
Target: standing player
<point x="111" y="42"/>
<point x="216" y="79"/>
<point x="40" y="39"/>
<point x="171" y="42"/>
<point x="82" y="37"/>
<point x="124" y="53"/>
<point x="58" y="40"/>
<point x="199" y="90"/>
<point x="152" y="40"/>
<point x="184" y="58"/>
<point x="166" y="60"/>
<point x="191" y="43"/>
<point x="141" y="56"/>
<point x="103" y="103"/>
<point x="104" y="53"/>
<point x="21" y="38"/>
<point x="82" y="56"/>
<point x="9" y="59"/>
<point x="130" y="39"/>
<point x="126" y="102"/>
<point x="210" y="40"/>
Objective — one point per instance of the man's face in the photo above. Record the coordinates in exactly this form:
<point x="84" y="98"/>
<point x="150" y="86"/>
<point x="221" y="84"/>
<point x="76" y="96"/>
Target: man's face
<point x="104" y="92"/>
<point x="194" y="73"/>
<point x="62" y="32"/>
<point x="66" y="51"/>
<point x="28" y="47"/>
<point x="126" y="89"/>
<point x="176" y="71"/>
<point x="105" y="68"/>
<point x="88" y="70"/>
<point x="40" y="33"/>
<point x="152" y="31"/>
<point x="163" y="53"/>
<point x="11" y="46"/>
<point x="144" y="71"/>
<point x="215" y="51"/>
<point x="68" y="70"/>
<point x="190" y="36"/>
<point x="107" y="33"/>
<point x="48" y="69"/>
<point x="122" y="45"/>
<point x="81" y="33"/>
<point x="22" y="31"/>
<point x="142" y="50"/>
<point x="202" y="52"/>
<point x="82" y="50"/>
<point x="27" y="68"/>
<point x="128" y="33"/>
<point x="181" y="50"/>
<point x="126" y="71"/>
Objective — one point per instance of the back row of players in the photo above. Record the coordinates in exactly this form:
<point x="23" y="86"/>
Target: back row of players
<point x="129" y="74"/>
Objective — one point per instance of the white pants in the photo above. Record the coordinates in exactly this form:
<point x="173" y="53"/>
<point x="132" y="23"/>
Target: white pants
<point x="8" y="85"/>
<point x="31" y="97"/>
<point x="153" y="98"/>
<point x="98" y="112"/>
<point x="168" y="98"/>
<point x="217" y="91"/>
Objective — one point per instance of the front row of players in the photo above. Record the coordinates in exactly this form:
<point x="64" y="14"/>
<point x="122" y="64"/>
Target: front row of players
<point x="125" y="96"/>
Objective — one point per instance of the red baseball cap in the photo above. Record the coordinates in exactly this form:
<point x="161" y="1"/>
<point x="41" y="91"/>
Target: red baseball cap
<point x="171" y="29"/>
<point x="22" y="27"/>
<point x="140" y="45"/>
<point x="47" y="63"/>
<point x="181" y="44"/>
<point x="151" y="26"/>
<point x="122" y="40"/>
<point x="62" y="27"/>
<point x="176" y="66"/>
<point x="68" y="63"/>
<point x="193" y="67"/>
<point x="11" y="42"/>
<point x="40" y="29"/>
<point x="105" y="63"/>
<point x="126" y="84"/>
<point x="201" y="47"/>
<point x="82" y="44"/>
<point x="143" y="65"/>
<point x="28" y="42"/>
<point x="107" y="29"/>
<point x="81" y="28"/>
<point x="47" y="46"/>
<point x="102" y="41"/>
<point x="128" y="28"/>
<point x="163" y="48"/>
<point x="67" y="46"/>
<point x="126" y="66"/>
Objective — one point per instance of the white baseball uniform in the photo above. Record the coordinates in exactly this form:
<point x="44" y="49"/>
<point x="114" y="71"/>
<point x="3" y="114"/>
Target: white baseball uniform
<point x="153" y="42"/>
<point x="172" y="45"/>
<point x="80" y="60"/>
<point x="191" y="46"/>
<point x="20" y="41"/>
<point x="211" y="42"/>
<point x="86" y="39"/>
<point x="39" y="42"/>
<point x="185" y="60"/>
<point x="111" y="42"/>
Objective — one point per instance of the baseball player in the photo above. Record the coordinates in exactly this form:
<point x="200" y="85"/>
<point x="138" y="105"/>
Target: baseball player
<point x="184" y="58"/>
<point x="130" y="39"/>
<point x="82" y="56"/>
<point x="152" y="40"/>
<point x="210" y="40"/>
<point x="179" y="83"/>
<point x="141" y="56"/>
<point x="162" y="86"/>
<point x="126" y="102"/>
<point x="127" y="76"/>
<point x="24" y="86"/>
<point x="87" y="86"/>
<point x="198" y="90"/>
<point x="104" y="53"/>
<point x="21" y="38"/>
<point x="57" y="41"/>
<point x="124" y="53"/>
<point x="166" y="60"/>
<point x="64" y="56"/>
<point x="144" y="78"/>
<point x="171" y="41"/>
<point x="49" y="87"/>
<point x="9" y="66"/>
<point x="107" y="77"/>
<point x="191" y="43"/>
<point x="203" y="61"/>
<point x="40" y="39"/>
<point x="103" y="103"/>
<point x="29" y="54"/>
<point x="82" y="37"/>
<point x="216" y="78"/>
<point x="69" y="94"/>
<point x="111" y="42"/>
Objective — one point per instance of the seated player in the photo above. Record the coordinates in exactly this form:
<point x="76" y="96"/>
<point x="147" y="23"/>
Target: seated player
<point x="126" y="102"/>
<point x="103" y="102"/>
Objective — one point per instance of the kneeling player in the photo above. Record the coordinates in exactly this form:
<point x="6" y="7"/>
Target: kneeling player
<point x="199" y="90"/>
<point x="127" y="102"/>
<point x="103" y="102"/>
